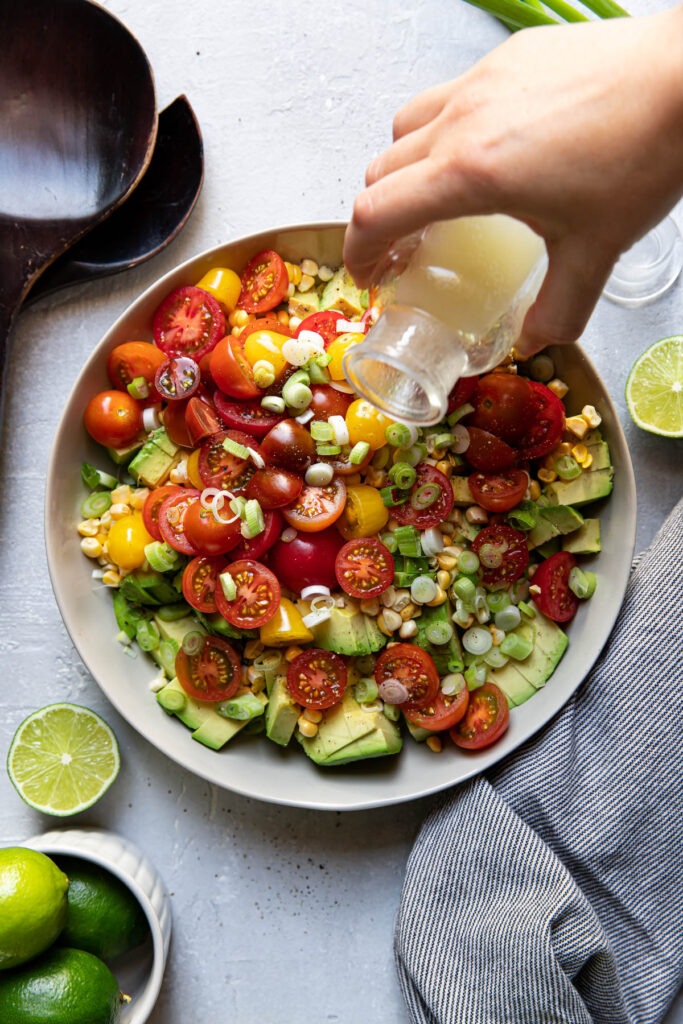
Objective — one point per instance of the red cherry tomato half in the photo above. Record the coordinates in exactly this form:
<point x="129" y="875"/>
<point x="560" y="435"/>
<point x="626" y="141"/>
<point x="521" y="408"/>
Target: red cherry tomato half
<point x="307" y="560"/>
<point x="486" y="719"/>
<point x="212" y="674"/>
<point x="153" y="502"/>
<point x="364" y="567"/>
<point x="264" y="282"/>
<point x="220" y="468"/>
<point x="547" y="424"/>
<point x="324" y="324"/>
<point x="556" y="600"/>
<point x="201" y="421"/>
<point x="189" y="322"/>
<point x="328" y="402"/>
<point x="173" y="417"/>
<point x="317" y="507"/>
<point x="508" y="544"/>
<point x="206" y="534"/>
<point x="409" y="514"/>
<point x="231" y="371"/>
<point x="249" y="416"/>
<point x="443" y="713"/>
<point x="274" y="487"/>
<point x="133" y="359"/>
<point x="177" y="378"/>
<point x="257" y="595"/>
<point x="317" y="679"/>
<point x="290" y="445"/>
<point x="413" y="667"/>
<point x="255" y="547"/>
<point x="487" y="452"/>
<point x="499" y="492"/>
<point x="172" y="512"/>
<point x="113" y="418"/>
<point x="199" y="582"/>
<point x="504" y="404"/>
<point x="461" y="393"/>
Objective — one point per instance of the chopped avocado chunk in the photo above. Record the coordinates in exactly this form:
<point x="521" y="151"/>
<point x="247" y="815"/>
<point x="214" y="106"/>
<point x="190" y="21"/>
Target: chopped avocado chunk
<point x="208" y="727"/>
<point x="155" y="459"/>
<point x="282" y="713"/>
<point x="447" y="657"/>
<point x="122" y="455"/>
<point x="549" y="645"/>
<point x="551" y="547"/>
<point x="342" y="729"/>
<point x="341" y="293"/>
<point x="585" y="541"/>
<point x="514" y="685"/>
<point x="161" y="439"/>
<point x="601" y="457"/>
<point x="418" y="732"/>
<point x="589" y="486"/>
<point x="177" y="629"/>
<point x="462" y="495"/>
<point x="216" y="624"/>
<point x="349" y="631"/>
<point x="148" y="587"/>
<point x="384" y="740"/>
<point x="302" y="304"/>
<point x="553" y="521"/>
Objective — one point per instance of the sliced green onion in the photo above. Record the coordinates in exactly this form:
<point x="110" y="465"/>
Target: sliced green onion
<point x="173" y="612"/>
<point x="461" y="615"/>
<point x="96" y="504"/>
<point x="93" y="478"/>
<point x="147" y="635"/>
<point x="413" y="455"/>
<point x="138" y="388"/>
<point x="380" y="460"/>
<point x="242" y="708"/>
<point x="523" y="518"/>
<point x="228" y="586"/>
<point x="237" y="505"/>
<point x="481" y="606"/>
<point x="516" y="646"/>
<point x="299" y="377"/>
<point x="527" y="609"/>
<point x="441" y="442"/>
<point x="166" y="655"/>
<point x="297" y="395"/>
<point x="490" y="556"/>
<point x="475" y="676"/>
<point x="439" y="633"/>
<point x="316" y="372"/>
<point x="321" y="430"/>
<point x="403" y="475"/>
<point x="324" y="359"/>
<point x="398" y="435"/>
<point x="497" y="601"/>
<point x="328" y="449"/>
<point x="389" y="541"/>
<point x="359" y="452"/>
<point x="366" y="690"/>
<point x="392" y="712"/>
<point x="172" y="700"/>
<point x="273" y="403"/>
<point x="459" y="413"/>
<point x="254" y="519"/>
<point x="476" y="640"/>
<point x="423" y="589"/>
<point x="542" y="368"/>
<point x="235" y="448"/>
<point x="425" y="496"/>
<point x="264" y="373"/>
<point x="495" y="659"/>
<point x="508" y="618"/>
<point x="468" y="561"/>
<point x="392" y="496"/>
<point x="465" y="589"/>
<point x="582" y="583"/>
<point x="408" y="540"/>
<point x="161" y="556"/>
<point x="319" y="474"/>
<point x="193" y="641"/>
<point x="567" y="468"/>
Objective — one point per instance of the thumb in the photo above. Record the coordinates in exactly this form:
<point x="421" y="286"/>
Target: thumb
<point x="577" y="272"/>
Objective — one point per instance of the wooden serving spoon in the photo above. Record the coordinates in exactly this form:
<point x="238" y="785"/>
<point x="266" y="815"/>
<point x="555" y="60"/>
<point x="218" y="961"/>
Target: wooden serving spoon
<point x="77" y="129"/>
<point x="151" y="216"/>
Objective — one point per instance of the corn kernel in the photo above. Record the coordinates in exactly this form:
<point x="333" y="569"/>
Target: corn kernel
<point x="139" y="497"/>
<point x="91" y="547"/>
<point x="293" y="272"/>
<point x="119" y="511"/>
<point x="547" y="475"/>
<point x="434" y="743"/>
<point x="445" y="467"/>
<point x="388" y="597"/>
<point x="290" y="291"/>
<point x="292" y="652"/>
<point x="561" y="449"/>
<point x="476" y="514"/>
<point x="558" y="387"/>
<point x="313" y="715"/>
<point x="408" y="629"/>
<point x="253" y="673"/>
<point x="283" y="317"/>
<point x="121" y="495"/>
<point x="446" y="562"/>
<point x="294" y="322"/>
<point x="89" y="527"/>
<point x="102" y="538"/>
<point x="105" y="519"/>
<point x="111" y="578"/>
<point x="309" y="267"/>
<point x="408" y="611"/>
<point x="253" y="648"/>
<point x="591" y="416"/>
<point x="306" y="728"/>
<point x="238" y="318"/>
<point x="391" y="619"/>
<point x="577" y="425"/>
<point x="579" y="451"/>
<point x="549" y="461"/>
<point x="497" y="636"/>
<point x="306" y="283"/>
<point x="438" y="599"/>
<point x="325" y="273"/>
<point x="534" y="590"/>
<point x="401" y="600"/>
<point x="370" y="606"/>
<point x="236" y="331"/>
<point x="587" y="462"/>
<point x="534" y="490"/>
<point x="443" y="578"/>
<point x="258" y="684"/>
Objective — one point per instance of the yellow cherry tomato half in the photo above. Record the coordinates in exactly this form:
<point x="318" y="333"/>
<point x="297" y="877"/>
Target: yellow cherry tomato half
<point x="192" y="464"/>
<point x="365" y="423"/>
<point x="266" y="345"/>
<point x="224" y="284"/>
<point x="364" y="514"/>
<point x="337" y="350"/>
<point x="126" y="542"/>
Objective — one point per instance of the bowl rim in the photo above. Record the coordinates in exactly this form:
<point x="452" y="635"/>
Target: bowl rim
<point x="627" y="530"/>
<point x="57" y="842"/>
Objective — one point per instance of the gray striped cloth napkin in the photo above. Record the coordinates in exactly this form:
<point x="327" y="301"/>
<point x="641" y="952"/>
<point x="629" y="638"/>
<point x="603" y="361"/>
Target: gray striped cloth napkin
<point x="551" y="890"/>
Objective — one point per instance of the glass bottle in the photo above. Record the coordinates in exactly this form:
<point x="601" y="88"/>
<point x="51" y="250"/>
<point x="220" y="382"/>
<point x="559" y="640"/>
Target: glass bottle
<point x="452" y="301"/>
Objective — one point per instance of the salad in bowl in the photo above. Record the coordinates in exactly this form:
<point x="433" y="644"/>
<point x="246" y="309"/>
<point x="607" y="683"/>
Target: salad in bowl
<point x="294" y="563"/>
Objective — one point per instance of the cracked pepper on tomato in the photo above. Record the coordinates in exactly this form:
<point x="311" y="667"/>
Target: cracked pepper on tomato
<point x="297" y="563"/>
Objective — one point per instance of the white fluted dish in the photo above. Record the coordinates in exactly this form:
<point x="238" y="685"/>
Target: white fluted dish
<point x="141" y="972"/>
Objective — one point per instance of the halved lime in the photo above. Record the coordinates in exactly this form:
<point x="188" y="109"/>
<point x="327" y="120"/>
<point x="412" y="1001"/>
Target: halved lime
<point x="62" y="759"/>
<point x="654" y="389"/>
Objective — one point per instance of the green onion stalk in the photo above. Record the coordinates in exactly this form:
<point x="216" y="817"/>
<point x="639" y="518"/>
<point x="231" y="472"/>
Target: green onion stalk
<point x="518" y="14"/>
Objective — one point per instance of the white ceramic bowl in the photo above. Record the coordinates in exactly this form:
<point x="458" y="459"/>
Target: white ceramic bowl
<point x="141" y="972"/>
<point x="252" y="765"/>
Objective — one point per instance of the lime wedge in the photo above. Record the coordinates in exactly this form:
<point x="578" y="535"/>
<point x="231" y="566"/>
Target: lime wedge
<point x="654" y="389"/>
<point x="62" y="759"/>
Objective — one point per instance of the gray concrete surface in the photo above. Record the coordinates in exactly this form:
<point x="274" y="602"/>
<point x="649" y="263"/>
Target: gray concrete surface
<point x="280" y="915"/>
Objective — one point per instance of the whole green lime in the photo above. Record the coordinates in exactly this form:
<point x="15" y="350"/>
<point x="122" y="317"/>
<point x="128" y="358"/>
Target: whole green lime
<point x="32" y="904"/>
<point x="102" y="917"/>
<point x="63" y="986"/>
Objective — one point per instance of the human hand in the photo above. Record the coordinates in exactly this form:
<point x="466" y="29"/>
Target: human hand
<point x="575" y="130"/>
